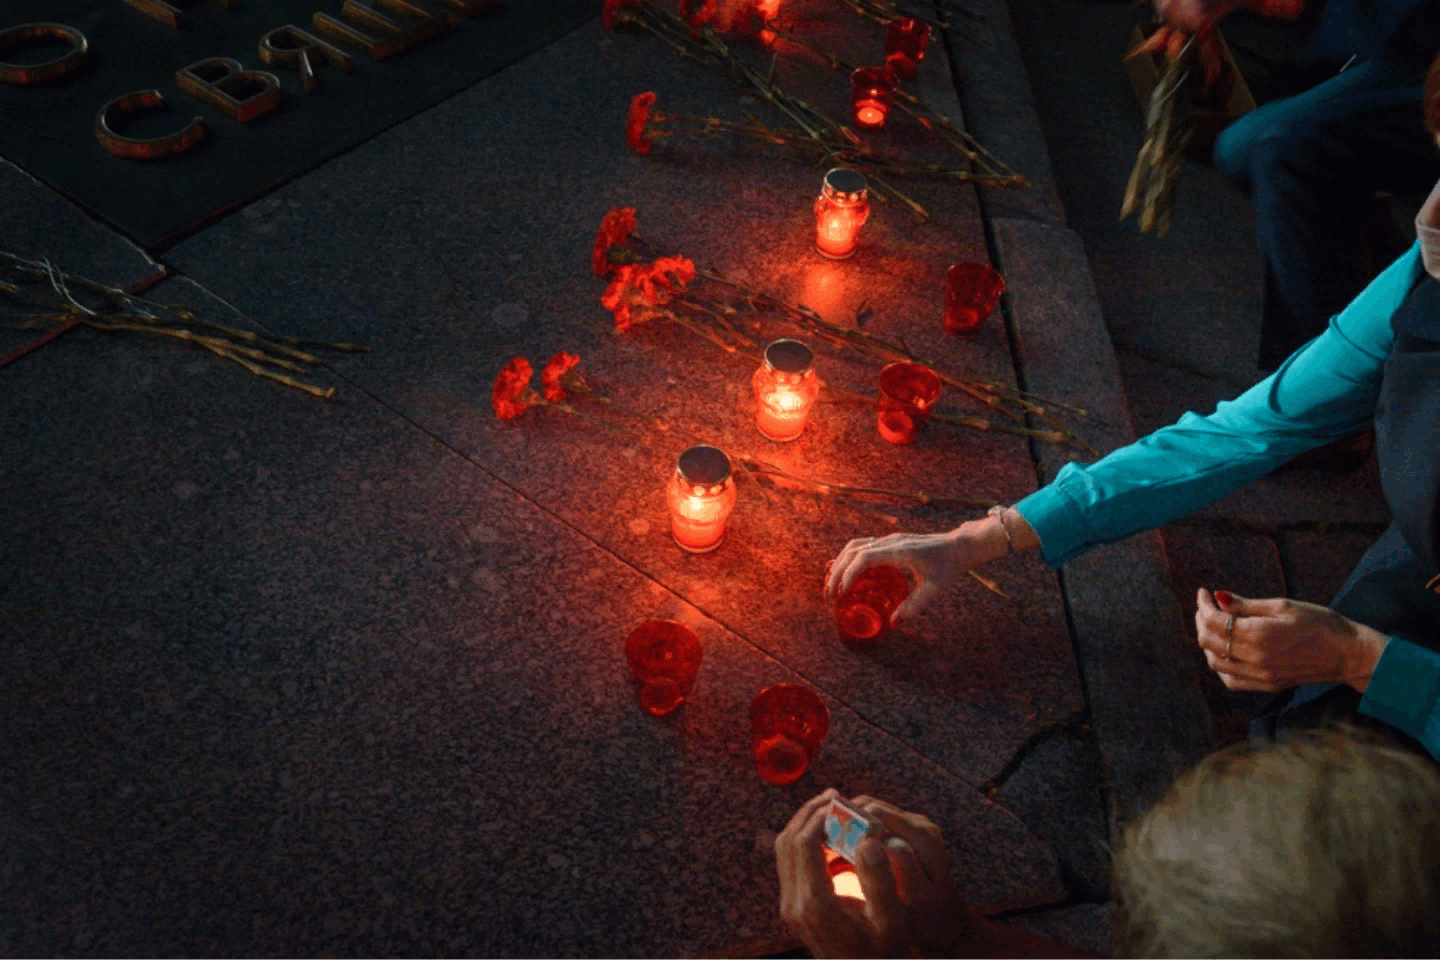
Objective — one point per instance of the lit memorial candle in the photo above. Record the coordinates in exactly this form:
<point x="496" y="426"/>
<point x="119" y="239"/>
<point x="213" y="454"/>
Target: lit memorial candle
<point x="785" y="389"/>
<point x="872" y="91"/>
<point x="701" y="495"/>
<point x="840" y="211"/>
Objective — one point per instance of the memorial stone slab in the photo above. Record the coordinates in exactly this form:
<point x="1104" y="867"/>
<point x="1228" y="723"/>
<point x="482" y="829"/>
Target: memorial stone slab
<point x="293" y="677"/>
<point x="476" y="267"/>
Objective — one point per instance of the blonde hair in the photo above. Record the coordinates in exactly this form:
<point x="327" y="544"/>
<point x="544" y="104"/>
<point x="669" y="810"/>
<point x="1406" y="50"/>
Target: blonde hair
<point x="1324" y="846"/>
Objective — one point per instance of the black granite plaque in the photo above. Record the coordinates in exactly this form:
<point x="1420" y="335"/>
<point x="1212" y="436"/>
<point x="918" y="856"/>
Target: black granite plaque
<point x="49" y="128"/>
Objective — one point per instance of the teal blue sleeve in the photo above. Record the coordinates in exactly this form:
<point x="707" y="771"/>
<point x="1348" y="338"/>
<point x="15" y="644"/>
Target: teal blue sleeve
<point x="1403" y="692"/>
<point x="1325" y="391"/>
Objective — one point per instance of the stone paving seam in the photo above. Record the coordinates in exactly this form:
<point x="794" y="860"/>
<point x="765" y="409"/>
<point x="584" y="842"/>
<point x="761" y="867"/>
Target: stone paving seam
<point x="995" y="90"/>
<point x="1127" y="626"/>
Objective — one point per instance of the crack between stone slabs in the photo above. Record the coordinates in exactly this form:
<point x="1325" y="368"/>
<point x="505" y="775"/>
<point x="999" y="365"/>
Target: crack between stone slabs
<point x="992" y="248"/>
<point x="863" y="717"/>
<point x="1076" y="725"/>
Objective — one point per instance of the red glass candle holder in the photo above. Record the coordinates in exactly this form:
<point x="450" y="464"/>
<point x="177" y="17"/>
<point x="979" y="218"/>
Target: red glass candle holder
<point x="905" y="39"/>
<point x="971" y="292"/>
<point x="908" y="391"/>
<point x="663" y="656"/>
<point x="788" y="722"/>
<point x="872" y="91"/>
<point x="840" y="211"/>
<point x="862" y="613"/>
<point x="785" y="389"/>
<point x="701" y="495"/>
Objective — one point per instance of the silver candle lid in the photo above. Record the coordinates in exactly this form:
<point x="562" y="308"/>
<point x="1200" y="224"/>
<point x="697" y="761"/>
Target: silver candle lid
<point x="789" y="356"/>
<point x="704" y="466"/>
<point x="846" y="186"/>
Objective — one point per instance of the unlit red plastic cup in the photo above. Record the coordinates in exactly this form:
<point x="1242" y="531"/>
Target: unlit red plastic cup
<point x="908" y="391"/>
<point x="664" y="657"/>
<point x="862" y="613"/>
<point x="971" y="292"/>
<point x="789" y="722"/>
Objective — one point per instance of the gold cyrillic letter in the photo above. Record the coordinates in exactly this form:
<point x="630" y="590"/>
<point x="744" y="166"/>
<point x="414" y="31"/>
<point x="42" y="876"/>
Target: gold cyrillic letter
<point x="223" y="82"/>
<point x="25" y="35"/>
<point x="289" y="46"/>
<point x="394" y="36"/>
<point x="152" y="148"/>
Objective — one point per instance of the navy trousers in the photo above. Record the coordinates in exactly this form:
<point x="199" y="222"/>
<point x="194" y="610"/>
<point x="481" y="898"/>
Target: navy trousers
<point x="1313" y="163"/>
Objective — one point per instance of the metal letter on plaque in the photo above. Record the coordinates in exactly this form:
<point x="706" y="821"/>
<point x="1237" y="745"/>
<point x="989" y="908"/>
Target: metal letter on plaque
<point x="149" y="148"/>
<point x="223" y="82"/>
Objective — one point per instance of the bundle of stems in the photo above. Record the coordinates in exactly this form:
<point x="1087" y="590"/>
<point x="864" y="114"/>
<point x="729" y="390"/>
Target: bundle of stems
<point x="1151" y="189"/>
<point x="46" y="297"/>
<point x="990" y="169"/>
<point x="998" y="396"/>
<point x="729" y="322"/>
<point x="752" y="466"/>
<point x="825" y="141"/>
<point x="883" y="11"/>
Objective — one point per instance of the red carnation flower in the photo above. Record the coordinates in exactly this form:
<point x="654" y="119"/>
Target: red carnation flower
<point x="507" y="395"/>
<point x="612" y="8"/>
<point x="639" y="116"/>
<point x="615" y="298"/>
<point x="615" y="230"/>
<point x="554" y="370"/>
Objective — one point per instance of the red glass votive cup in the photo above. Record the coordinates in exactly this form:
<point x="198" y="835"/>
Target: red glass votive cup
<point x="872" y="91"/>
<point x="664" y="656"/>
<point x="862" y="613"/>
<point x="905" y="39"/>
<point x="908" y="391"/>
<point x="971" y="292"/>
<point x="788" y="723"/>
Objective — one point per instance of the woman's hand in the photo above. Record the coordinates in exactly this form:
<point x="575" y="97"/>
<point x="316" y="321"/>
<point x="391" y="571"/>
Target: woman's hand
<point x="829" y="925"/>
<point x="904" y="870"/>
<point x="940" y="922"/>
<point x="1279" y="643"/>
<point x="935" y="560"/>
